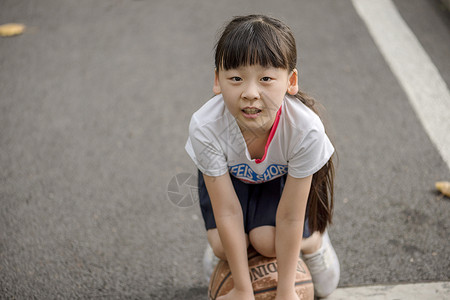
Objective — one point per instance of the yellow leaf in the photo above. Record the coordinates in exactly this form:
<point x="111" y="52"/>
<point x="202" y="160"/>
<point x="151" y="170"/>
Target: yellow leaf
<point x="443" y="187"/>
<point x="11" y="29"/>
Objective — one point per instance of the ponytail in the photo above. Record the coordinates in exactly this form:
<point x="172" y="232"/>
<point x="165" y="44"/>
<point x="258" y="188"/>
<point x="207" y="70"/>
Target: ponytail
<point x="321" y="194"/>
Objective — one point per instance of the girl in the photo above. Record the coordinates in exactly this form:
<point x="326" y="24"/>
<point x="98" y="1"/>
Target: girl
<point x="264" y="160"/>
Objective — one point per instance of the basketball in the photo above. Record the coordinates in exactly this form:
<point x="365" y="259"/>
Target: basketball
<point x="263" y="274"/>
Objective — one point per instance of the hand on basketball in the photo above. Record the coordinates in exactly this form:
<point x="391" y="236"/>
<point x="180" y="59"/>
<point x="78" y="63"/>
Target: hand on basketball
<point x="238" y="295"/>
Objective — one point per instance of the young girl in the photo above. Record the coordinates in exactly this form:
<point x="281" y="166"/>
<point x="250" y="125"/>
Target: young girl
<point x="264" y="160"/>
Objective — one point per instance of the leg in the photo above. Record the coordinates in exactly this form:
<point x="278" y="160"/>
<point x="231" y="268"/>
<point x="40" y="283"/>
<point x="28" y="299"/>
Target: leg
<point x="216" y="243"/>
<point x="263" y="240"/>
<point x="323" y="263"/>
<point x="312" y="243"/>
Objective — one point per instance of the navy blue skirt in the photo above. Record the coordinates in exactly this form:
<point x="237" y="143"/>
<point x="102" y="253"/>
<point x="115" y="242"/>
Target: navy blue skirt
<point x="259" y="203"/>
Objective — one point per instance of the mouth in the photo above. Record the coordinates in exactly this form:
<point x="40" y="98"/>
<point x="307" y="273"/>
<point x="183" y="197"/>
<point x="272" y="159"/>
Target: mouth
<point x="251" y="112"/>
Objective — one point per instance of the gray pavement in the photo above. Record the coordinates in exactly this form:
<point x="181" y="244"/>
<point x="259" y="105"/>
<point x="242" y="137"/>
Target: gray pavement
<point x="95" y="100"/>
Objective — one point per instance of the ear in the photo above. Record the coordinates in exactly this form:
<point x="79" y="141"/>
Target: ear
<point x="293" y="83"/>
<point x="216" y="87"/>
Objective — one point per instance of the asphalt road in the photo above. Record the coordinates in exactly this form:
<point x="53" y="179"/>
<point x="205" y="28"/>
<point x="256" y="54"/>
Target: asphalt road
<point x="95" y="100"/>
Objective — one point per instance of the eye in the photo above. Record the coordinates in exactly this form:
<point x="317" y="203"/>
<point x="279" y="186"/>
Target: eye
<point x="266" y="79"/>
<point x="236" y="78"/>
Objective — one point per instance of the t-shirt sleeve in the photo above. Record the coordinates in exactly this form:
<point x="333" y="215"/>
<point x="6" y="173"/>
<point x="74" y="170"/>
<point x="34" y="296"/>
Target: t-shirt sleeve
<point x="204" y="149"/>
<point x="310" y="153"/>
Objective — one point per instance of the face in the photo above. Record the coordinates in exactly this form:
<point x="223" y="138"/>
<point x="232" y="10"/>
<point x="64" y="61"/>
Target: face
<point x="253" y="94"/>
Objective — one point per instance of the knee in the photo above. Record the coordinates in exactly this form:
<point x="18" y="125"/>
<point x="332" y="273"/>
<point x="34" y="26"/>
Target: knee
<point x="265" y="249"/>
<point x="219" y="251"/>
<point x="216" y="244"/>
<point x="263" y="240"/>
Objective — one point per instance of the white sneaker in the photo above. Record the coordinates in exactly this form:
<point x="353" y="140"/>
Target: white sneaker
<point x="210" y="261"/>
<point x="324" y="267"/>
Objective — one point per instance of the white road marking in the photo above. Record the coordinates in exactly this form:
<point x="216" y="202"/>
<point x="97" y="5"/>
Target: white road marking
<point x="415" y="291"/>
<point x="430" y="98"/>
<point x="419" y="77"/>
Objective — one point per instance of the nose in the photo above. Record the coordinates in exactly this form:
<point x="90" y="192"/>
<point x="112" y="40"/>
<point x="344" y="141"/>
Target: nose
<point x="250" y="92"/>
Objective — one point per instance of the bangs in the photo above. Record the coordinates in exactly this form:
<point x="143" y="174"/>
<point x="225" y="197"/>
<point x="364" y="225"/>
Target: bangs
<point x="252" y="43"/>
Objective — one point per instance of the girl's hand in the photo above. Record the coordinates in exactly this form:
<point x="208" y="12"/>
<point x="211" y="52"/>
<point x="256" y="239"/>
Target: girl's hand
<point x="239" y="295"/>
<point x="292" y="295"/>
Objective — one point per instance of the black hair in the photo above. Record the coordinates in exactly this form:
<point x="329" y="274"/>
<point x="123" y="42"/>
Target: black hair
<point x="256" y="39"/>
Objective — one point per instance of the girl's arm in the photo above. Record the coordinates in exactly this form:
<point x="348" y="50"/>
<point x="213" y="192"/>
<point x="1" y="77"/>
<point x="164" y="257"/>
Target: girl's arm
<point x="229" y="220"/>
<point x="289" y="229"/>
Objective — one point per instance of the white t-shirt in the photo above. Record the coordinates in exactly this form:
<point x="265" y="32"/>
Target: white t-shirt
<point x="297" y="144"/>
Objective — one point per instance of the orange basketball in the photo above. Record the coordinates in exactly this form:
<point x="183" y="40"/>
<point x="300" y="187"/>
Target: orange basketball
<point x="264" y="276"/>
